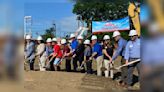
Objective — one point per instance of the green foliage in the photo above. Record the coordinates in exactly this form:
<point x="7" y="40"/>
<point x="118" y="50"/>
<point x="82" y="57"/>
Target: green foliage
<point x="101" y="10"/>
<point x="49" y="33"/>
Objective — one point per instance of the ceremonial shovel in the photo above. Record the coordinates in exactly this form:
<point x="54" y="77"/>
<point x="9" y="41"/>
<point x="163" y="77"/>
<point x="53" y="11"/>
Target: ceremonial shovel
<point x="119" y="67"/>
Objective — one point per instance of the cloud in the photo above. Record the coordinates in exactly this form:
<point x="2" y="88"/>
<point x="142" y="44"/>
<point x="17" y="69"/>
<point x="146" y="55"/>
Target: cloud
<point x="67" y="25"/>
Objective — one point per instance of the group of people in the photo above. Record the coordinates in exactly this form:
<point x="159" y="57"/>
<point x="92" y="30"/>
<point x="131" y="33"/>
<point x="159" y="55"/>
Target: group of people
<point x="78" y="49"/>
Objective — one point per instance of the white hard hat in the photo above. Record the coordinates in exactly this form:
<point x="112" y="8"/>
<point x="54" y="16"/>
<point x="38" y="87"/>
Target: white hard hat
<point x="54" y="39"/>
<point x="133" y="32"/>
<point x="49" y="40"/>
<point x="106" y="37"/>
<point x="116" y="33"/>
<point x="87" y="41"/>
<point x="28" y="37"/>
<point x="63" y="41"/>
<point x="80" y="37"/>
<point x="39" y="38"/>
<point x="94" y="37"/>
<point x="72" y="35"/>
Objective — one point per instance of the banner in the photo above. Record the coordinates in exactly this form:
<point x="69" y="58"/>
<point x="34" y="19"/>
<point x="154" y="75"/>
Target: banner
<point x="110" y="26"/>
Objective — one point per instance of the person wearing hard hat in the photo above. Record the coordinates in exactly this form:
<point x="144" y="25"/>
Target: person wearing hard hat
<point x="108" y="52"/>
<point x="87" y="55"/>
<point x="74" y="42"/>
<point x="132" y="52"/>
<point x="41" y="53"/>
<point x="120" y="51"/>
<point x="30" y="51"/>
<point x="54" y="41"/>
<point x="66" y="51"/>
<point x="49" y="52"/>
<point x="79" y="54"/>
<point x="57" y="54"/>
<point x="97" y="54"/>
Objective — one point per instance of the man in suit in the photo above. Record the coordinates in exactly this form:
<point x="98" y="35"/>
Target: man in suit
<point x="30" y="51"/>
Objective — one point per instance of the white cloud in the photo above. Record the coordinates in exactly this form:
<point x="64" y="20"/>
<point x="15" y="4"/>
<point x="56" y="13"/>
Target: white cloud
<point x="67" y="25"/>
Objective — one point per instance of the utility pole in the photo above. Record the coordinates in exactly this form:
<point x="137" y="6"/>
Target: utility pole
<point x="78" y="19"/>
<point x="54" y="27"/>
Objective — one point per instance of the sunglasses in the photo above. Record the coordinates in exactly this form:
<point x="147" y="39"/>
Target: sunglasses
<point x="131" y="36"/>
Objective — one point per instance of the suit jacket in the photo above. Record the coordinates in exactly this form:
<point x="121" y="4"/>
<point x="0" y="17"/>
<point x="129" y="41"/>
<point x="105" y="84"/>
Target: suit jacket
<point x="30" y="51"/>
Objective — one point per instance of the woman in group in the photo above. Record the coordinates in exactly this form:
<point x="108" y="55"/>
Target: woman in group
<point x="57" y="54"/>
<point x="49" y="52"/>
<point x="108" y="52"/>
<point x="87" y="55"/>
<point x="41" y="53"/>
<point x="66" y="55"/>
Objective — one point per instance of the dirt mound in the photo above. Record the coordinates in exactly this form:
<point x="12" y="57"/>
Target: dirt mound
<point x="64" y="82"/>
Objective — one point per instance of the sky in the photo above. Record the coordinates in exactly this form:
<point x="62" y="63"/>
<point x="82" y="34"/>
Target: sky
<point x="43" y="12"/>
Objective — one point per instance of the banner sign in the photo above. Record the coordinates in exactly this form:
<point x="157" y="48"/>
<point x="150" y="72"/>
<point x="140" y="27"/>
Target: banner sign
<point x="110" y="26"/>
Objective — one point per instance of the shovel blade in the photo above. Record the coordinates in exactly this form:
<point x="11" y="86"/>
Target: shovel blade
<point x="103" y="69"/>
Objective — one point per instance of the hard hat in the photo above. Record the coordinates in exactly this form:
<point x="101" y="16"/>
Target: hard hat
<point x="106" y="37"/>
<point x="72" y="35"/>
<point x="28" y="37"/>
<point x="116" y="33"/>
<point x="87" y="42"/>
<point x="54" y="39"/>
<point x="49" y="40"/>
<point x="133" y="32"/>
<point x="94" y="37"/>
<point x="39" y="38"/>
<point x="80" y="37"/>
<point x="63" y="41"/>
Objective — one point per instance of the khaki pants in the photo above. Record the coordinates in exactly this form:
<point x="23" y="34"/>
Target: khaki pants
<point x="42" y="63"/>
<point x="99" y="61"/>
<point x="107" y="65"/>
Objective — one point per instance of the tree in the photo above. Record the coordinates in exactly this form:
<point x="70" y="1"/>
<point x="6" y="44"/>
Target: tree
<point x="49" y="33"/>
<point x="100" y="10"/>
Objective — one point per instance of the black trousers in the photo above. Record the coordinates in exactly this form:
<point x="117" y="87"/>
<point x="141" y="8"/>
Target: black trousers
<point x="31" y="64"/>
<point x="89" y="67"/>
<point x="52" y="65"/>
<point x="75" y="59"/>
<point x="52" y="68"/>
<point x="68" y="65"/>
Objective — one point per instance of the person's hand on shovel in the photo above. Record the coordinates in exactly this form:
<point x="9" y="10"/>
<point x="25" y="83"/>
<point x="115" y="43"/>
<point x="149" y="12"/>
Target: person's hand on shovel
<point x="110" y="60"/>
<point x="90" y="58"/>
<point x="74" y="56"/>
<point x="126" y="62"/>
